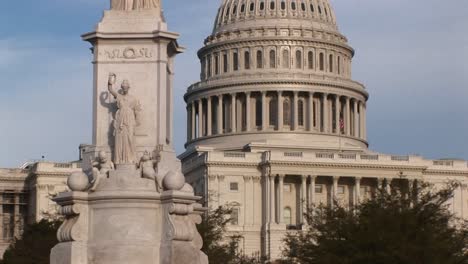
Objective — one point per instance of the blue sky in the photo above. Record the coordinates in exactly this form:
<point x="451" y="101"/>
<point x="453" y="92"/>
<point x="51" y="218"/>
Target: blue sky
<point x="411" y="55"/>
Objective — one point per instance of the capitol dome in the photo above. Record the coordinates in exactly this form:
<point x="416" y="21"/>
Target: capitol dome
<point x="276" y="73"/>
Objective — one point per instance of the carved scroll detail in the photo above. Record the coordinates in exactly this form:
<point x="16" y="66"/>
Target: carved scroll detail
<point x="74" y="228"/>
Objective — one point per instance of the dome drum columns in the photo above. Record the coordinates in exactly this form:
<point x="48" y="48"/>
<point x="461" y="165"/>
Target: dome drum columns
<point x="278" y="111"/>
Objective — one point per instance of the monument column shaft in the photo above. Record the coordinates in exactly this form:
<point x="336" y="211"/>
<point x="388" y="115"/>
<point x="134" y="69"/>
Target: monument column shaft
<point x="356" y="118"/>
<point x="348" y="117"/>
<point x="337" y="115"/>
<point x="272" y="199"/>
<point x="200" y="118"/>
<point x="264" y="112"/>
<point x="209" y="117"/>
<point x="219" y="119"/>
<point x="248" y="113"/>
<point x="280" y="199"/>
<point x="303" y="198"/>
<point x="296" y="110"/>
<point x="233" y="113"/>
<point x="311" y="111"/>
<point x="280" y="111"/>
<point x="325" y="112"/>
<point x="193" y="121"/>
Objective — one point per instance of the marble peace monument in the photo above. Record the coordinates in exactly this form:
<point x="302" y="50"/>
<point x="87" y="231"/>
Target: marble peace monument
<point x="130" y="204"/>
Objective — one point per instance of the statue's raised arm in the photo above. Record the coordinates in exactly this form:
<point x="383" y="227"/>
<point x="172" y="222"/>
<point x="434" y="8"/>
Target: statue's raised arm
<point x="111" y="82"/>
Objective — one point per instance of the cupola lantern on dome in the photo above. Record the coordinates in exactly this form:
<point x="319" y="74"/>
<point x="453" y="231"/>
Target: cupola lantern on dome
<point x="276" y="73"/>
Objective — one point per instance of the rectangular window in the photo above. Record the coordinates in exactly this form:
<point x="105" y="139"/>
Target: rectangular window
<point x="236" y="61"/>
<point x="225" y="63"/>
<point x="319" y="188"/>
<point x="234" y="186"/>
<point x="341" y="189"/>
<point x="235" y="216"/>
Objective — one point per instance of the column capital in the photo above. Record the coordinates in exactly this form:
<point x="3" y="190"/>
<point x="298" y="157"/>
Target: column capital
<point x="296" y="93"/>
<point x="304" y="177"/>
<point x="247" y="177"/>
<point x="248" y="93"/>
<point x="281" y="177"/>
<point x="272" y="177"/>
<point x="220" y="95"/>
<point x="324" y="95"/>
<point x="313" y="177"/>
<point x="264" y="92"/>
<point x="336" y="178"/>
<point x="358" y="179"/>
<point x="280" y="92"/>
<point x="221" y="177"/>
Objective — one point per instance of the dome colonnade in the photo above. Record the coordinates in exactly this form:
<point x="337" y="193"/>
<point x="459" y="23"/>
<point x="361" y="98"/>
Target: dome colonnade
<point x="273" y="68"/>
<point x="282" y="110"/>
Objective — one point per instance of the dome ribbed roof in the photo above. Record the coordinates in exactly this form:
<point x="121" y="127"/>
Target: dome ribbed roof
<point x="240" y="14"/>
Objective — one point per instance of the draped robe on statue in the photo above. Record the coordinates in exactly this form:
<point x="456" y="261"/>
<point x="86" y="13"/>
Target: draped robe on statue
<point x="128" y="5"/>
<point x="124" y="129"/>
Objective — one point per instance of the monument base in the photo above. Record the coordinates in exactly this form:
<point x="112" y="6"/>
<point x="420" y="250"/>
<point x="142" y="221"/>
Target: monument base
<point x="127" y="221"/>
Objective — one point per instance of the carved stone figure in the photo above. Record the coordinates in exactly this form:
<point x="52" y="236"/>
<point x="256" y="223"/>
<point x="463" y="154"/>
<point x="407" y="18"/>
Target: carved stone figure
<point x="101" y="167"/>
<point x="126" y="119"/>
<point x="128" y="5"/>
<point x="147" y="166"/>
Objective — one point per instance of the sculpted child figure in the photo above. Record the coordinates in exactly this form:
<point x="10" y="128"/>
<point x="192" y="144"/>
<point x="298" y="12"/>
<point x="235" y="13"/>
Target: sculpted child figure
<point x="101" y="167"/>
<point x="147" y="165"/>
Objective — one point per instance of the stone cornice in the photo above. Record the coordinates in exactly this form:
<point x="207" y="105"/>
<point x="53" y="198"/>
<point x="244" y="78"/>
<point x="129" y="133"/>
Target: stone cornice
<point x="268" y="83"/>
<point x="266" y="41"/>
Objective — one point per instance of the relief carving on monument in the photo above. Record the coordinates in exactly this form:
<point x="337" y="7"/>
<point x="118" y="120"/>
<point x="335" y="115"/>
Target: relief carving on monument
<point x="126" y="119"/>
<point x="128" y="53"/>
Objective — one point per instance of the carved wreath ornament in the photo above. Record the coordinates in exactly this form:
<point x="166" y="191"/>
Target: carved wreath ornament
<point x="129" y="53"/>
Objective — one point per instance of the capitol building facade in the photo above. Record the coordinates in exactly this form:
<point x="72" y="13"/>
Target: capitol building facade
<point x="275" y="125"/>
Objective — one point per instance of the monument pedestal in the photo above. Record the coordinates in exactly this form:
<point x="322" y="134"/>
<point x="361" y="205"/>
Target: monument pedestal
<point x="127" y="221"/>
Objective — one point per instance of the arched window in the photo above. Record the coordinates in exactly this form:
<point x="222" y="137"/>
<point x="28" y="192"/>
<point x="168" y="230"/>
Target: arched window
<point x="286" y="61"/>
<point x="320" y="9"/>
<point x="235" y="61"/>
<point x="283" y="4"/>
<point x="273" y="105"/>
<point x="262" y="5"/>
<point x="244" y="113"/>
<point x="259" y="59"/>
<point x="298" y="59"/>
<point x="242" y="8"/>
<point x="252" y="6"/>
<point x="225" y="62"/>
<point x="310" y="60"/>
<point x="312" y="9"/>
<point x="234" y="10"/>
<point x="272" y="59"/>
<point x="286" y="112"/>
<point x="287" y="216"/>
<point x="247" y="60"/>
<point x="322" y="61"/>
<point x="330" y="63"/>
<point x="258" y="112"/>
<point x="293" y="5"/>
<point x="272" y="5"/>
<point x="303" y="6"/>
<point x="300" y="113"/>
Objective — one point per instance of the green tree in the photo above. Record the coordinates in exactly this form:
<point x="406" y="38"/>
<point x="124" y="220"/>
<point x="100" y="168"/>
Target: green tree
<point x="219" y="247"/>
<point x="35" y="244"/>
<point x="404" y="227"/>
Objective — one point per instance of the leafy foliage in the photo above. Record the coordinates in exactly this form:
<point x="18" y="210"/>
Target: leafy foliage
<point x="408" y="226"/>
<point x="35" y="244"/>
<point x="219" y="247"/>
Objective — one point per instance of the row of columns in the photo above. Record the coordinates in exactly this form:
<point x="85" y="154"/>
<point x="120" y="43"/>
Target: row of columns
<point x="236" y="112"/>
<point x="274" y="214"/>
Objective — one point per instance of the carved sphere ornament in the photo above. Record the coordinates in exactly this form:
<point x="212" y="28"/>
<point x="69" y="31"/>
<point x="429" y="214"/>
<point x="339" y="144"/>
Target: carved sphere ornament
<point x="173" y="181"/>
<point x="78" y="182"/>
